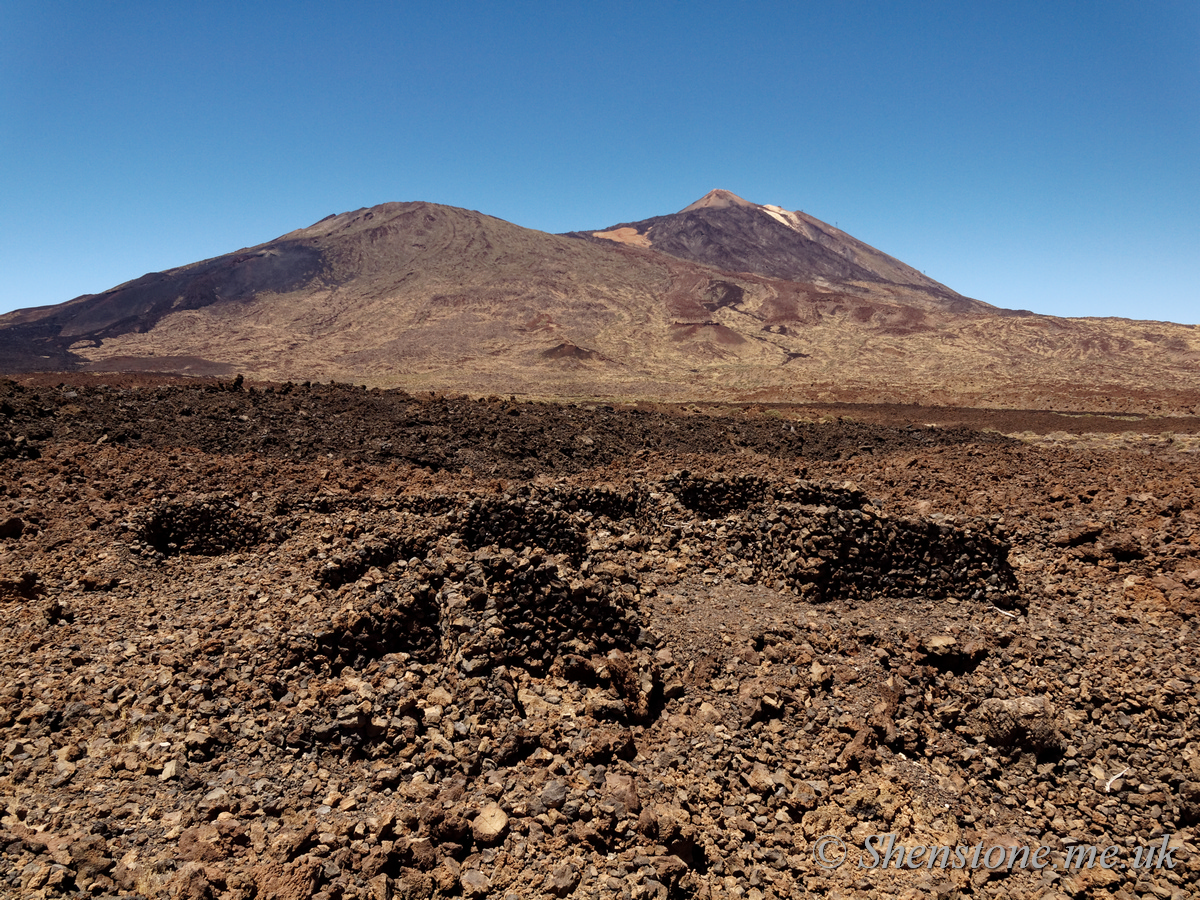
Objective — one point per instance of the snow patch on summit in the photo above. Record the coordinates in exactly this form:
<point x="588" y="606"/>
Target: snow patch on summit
<point x="785" y="217"/>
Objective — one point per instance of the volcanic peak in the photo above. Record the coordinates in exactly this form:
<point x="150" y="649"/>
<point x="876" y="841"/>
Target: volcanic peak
<point x="796" y="221"/>
<point x="718" y="199"/>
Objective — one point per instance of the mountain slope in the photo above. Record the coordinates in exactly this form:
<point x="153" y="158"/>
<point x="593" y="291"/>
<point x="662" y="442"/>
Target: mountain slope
<point x="348" y="284"/>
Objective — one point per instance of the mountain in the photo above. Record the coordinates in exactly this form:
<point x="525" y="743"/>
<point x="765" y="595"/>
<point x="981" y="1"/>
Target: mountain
<point x="725" y="300"/>
<point x="723" y="230"/>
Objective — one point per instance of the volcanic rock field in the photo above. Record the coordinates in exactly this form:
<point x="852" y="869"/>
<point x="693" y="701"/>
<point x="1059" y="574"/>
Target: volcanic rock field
<point x="299" y="640"/>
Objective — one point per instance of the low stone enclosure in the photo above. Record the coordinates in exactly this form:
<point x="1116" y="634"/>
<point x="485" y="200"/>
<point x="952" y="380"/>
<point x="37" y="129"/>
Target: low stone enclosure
<point x="554" y="574"/>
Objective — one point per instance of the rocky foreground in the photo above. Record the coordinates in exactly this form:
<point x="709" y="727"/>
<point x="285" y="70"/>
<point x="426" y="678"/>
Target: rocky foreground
<point x="321" y="642"/>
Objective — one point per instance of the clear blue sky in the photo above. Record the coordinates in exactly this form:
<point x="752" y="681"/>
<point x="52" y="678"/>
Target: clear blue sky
<point x="1030" y="154"/>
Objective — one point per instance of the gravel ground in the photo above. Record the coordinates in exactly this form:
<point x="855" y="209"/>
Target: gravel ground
<point x="325" y="642"/>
